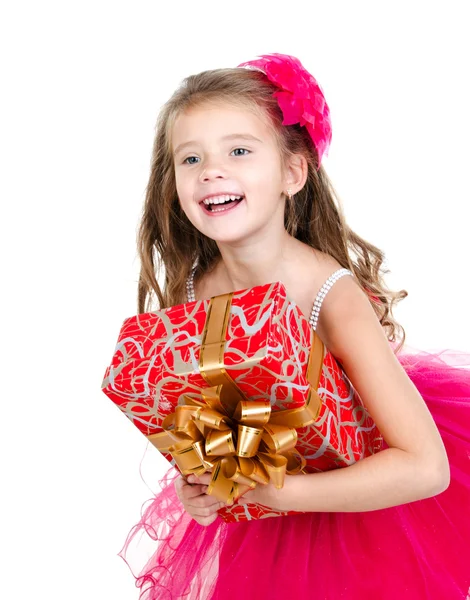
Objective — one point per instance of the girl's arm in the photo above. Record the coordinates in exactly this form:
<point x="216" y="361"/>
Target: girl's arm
<point x="415" y="465"/>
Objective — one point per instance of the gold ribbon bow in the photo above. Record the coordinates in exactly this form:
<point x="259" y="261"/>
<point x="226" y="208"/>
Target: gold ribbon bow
<point x="242" y="441"/>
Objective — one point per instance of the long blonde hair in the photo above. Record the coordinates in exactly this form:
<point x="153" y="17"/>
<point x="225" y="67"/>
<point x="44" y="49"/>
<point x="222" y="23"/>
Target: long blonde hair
<point x="168" y="241"/>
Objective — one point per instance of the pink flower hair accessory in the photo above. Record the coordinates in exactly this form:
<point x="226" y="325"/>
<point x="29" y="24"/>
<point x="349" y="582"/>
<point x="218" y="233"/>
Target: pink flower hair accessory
<point x="300" y="98"/>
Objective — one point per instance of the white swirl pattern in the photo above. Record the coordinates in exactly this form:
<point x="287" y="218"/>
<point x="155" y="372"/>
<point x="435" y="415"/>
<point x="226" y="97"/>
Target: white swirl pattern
<point x="267" y="349"/>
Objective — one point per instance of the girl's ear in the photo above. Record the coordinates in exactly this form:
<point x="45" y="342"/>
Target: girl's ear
<point x="296" y="172"/>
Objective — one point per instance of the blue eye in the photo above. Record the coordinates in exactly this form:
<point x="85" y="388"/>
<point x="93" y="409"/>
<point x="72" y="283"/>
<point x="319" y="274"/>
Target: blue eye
<point x="244" y="150"/>
<point x="189" y="159"/>
<point x="189" y="163"/>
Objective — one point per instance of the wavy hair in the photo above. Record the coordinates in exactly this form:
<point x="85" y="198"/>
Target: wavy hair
<point x="169" y="243"/>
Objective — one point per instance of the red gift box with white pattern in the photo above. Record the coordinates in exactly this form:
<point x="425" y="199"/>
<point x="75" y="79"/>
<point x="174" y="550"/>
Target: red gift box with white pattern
<point x="267" y="348"/>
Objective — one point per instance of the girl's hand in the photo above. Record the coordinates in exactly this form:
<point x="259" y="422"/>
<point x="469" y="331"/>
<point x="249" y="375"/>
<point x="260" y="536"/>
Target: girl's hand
<point x="269" y="496"/>
<point x="191" y="492"/>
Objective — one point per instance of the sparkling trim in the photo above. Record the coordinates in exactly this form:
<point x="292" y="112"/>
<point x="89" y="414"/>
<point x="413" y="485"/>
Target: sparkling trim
<point x="190" y="286"/>
<point x="313" y="320"/>
<point x="325" y="288"/>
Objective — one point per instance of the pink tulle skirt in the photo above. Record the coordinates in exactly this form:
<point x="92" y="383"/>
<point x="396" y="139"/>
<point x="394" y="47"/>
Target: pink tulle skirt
<point x="415" y="551"/>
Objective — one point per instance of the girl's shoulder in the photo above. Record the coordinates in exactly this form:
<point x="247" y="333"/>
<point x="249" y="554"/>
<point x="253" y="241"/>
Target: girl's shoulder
<point x="323" y="273"/>
<point x="343" y="301"/>
<point x="325" y="266"/>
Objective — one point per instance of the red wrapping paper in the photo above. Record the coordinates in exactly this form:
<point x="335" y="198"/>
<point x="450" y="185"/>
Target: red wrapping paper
<point x="267" y="347"/>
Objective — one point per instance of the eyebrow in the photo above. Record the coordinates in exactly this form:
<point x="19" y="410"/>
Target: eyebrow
<point x="232" y="136"/>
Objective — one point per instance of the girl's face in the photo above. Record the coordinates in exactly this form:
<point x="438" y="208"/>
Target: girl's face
<point x="228" y="170"/>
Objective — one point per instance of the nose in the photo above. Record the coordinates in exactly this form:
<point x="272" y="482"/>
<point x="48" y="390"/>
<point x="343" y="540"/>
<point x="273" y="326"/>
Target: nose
<point x="212" y="168"/>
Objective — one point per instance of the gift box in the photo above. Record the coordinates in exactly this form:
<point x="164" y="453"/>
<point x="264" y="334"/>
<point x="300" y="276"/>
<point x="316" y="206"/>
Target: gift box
<point x="233" y="385"/>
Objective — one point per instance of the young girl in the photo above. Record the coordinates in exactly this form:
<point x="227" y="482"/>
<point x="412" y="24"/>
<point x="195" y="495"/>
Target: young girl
<point x="237" y="197"/>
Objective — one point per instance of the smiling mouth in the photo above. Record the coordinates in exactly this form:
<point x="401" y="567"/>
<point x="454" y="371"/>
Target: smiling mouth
<point x="221" y="206"/>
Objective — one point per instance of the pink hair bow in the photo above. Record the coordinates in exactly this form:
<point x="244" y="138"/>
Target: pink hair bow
<point x="300" y="98"/>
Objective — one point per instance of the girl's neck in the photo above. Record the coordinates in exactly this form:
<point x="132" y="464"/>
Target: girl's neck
<point x="259" y="263"/>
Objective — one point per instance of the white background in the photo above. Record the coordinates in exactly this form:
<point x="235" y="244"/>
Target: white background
<point x="82" y="85"/>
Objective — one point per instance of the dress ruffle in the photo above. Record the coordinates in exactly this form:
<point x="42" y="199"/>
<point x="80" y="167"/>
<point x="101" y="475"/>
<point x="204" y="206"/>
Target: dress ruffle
<point x="418" y="551"/>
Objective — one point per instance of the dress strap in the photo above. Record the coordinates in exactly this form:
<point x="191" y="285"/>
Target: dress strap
<point x="325" y="288"/>
<point x="190" y="286"/>
<point x="332" y="279"/>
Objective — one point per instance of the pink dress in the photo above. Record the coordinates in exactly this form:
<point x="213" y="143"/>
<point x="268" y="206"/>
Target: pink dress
<point x="418" y="551"/>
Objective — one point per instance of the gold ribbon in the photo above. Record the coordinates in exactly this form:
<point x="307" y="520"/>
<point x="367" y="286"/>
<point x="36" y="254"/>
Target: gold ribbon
<point x="241" y="441"/>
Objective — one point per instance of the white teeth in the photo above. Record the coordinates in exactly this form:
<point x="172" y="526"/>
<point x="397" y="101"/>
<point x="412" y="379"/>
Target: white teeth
<point x="220" y="199"/>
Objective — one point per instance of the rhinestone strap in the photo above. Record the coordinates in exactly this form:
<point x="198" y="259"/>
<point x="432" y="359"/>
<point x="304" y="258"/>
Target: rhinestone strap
<point x="316" y="305"/>
<point x="190" y="287"/>
<point x="323" y="292"/>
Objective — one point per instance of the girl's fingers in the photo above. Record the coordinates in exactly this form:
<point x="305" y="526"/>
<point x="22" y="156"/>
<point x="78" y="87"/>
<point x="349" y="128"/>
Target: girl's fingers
<point x="205" y="478"/>
<point x="206" y="520"/>
<point x="185" y="490"/>
<point x="205" y="511"/>
<point x="180" y="482"/>
<point x="201" y="506"/>
<point x="203" y="501"/>
<point x="193" y="491"/>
